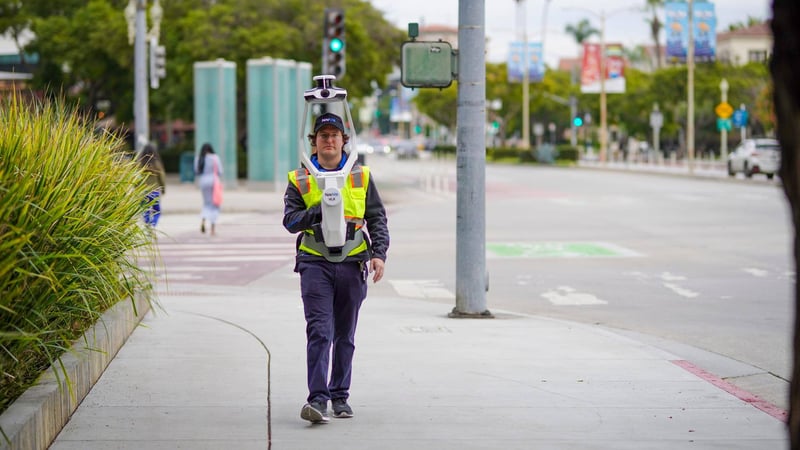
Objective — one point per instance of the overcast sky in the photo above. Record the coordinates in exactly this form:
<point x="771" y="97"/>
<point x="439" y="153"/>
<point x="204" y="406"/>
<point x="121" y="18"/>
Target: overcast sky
<point x="625" y="20"/>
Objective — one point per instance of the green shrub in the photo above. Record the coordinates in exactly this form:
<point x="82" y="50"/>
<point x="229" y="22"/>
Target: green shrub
<point x="71" y="237"/>
<point x="568" y="153"/>
<point x="504" y="154"/>
<point x="444" y="150"/>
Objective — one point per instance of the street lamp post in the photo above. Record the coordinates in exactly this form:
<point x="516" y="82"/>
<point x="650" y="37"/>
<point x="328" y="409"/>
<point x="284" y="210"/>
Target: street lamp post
<point x="522" y="16"/>
<point x="603" y="107"/>
<point x="690" y="92"/>
<point x="135" y="15"/>
<point x="723" y="132"/>
<point x="656" y="121"/>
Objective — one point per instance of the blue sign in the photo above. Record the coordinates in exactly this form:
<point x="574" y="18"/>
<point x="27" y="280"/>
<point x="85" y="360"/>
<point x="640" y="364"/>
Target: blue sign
<point x="516" y="62"/>
<point x="704" y="25"/>
<point x="740" y="117"/>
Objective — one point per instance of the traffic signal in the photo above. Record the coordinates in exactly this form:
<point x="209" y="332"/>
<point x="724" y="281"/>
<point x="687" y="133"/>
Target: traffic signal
<point x="158" y="63"/>
<point x="577" y="121"/>
<point x="333" y="44"/>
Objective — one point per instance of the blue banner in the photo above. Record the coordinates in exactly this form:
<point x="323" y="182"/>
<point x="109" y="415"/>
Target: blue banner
<point x="704" y="30"/>
<point x="516" y="62"/>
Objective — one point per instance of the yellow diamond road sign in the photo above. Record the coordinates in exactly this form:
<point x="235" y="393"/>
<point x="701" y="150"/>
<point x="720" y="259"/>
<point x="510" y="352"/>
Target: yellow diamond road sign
<point x="724" y="110"/>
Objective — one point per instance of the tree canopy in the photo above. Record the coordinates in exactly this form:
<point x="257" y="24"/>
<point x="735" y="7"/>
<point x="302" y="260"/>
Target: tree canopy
<point x="84" y="51"/>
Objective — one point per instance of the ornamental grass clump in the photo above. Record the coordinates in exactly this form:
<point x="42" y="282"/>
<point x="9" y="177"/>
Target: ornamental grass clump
<point x="70" y="233"/>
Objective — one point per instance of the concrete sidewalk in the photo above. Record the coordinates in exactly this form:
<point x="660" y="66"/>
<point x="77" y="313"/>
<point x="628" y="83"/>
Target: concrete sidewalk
<point x="223" y="367"/>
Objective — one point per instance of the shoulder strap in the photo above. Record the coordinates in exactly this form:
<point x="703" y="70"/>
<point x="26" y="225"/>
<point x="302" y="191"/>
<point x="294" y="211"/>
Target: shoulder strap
<point x="303" y="183"/>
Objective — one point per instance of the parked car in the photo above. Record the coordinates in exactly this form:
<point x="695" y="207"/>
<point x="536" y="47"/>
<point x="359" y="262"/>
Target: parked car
<point x="755" y="156"/>
<point x="405" y="149"/>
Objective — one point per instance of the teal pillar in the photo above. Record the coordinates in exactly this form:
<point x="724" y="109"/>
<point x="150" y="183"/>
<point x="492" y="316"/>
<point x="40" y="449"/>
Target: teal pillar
<point x="285" y="101"/>
<point x="215" y="112"/>
<point x="304" y="78"/>
<point x="274" y="112"/>
<point x="260" y="120"/>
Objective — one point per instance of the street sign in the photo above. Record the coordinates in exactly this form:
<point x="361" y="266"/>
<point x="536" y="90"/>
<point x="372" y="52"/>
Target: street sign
<point x="656" y="119"/>
<point x="740" y="117"/>
<point x="724" y="110"/>
<point x="724" y="124"/>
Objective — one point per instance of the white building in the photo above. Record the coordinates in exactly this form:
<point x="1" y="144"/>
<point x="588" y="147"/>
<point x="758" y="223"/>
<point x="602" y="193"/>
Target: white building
<point x="746" y="45"/>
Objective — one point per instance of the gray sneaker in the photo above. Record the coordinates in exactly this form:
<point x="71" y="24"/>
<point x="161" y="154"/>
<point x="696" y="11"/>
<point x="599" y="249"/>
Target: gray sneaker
<point x="341" y="409"/>
<point x="315" y="412"/>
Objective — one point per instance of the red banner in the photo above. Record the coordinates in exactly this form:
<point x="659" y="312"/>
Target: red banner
<point x="615" y="69"/>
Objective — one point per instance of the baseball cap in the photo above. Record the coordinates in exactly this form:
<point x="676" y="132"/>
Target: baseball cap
<point x="328" y="119"/>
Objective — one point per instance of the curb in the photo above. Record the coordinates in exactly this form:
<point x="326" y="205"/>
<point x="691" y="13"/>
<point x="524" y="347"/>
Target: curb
<point x="35" y="419"/>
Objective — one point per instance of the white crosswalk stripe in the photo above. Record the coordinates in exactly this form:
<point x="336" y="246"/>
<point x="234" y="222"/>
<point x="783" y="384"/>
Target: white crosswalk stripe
<point x="239" y="253"/>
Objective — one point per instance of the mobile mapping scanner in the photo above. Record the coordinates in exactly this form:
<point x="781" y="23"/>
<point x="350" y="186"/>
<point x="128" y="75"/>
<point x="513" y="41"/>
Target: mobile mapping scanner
<point x="334" y="228"/>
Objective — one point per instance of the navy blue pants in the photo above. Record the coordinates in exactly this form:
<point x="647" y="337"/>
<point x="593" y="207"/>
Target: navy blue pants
<point x="332" y="295"/>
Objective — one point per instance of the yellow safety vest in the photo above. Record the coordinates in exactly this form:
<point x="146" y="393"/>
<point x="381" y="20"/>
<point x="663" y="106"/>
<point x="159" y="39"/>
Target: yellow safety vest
<point x="354" y="198"/>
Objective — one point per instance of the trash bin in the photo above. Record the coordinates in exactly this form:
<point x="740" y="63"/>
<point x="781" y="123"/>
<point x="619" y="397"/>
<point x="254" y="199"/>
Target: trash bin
<point x="546" y="154"/>
<point x="186" y="167"/>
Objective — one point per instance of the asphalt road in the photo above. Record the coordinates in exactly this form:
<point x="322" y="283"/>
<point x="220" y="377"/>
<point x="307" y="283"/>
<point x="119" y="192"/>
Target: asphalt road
<point x="698" y="266"/>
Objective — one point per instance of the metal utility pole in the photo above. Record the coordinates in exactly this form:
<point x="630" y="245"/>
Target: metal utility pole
<point x="723" y="132"/>
<point x="573" y="109"/>
<point x="690" y="92"/>
<point x="471" y="277"/>
<point x="603" y="107"/>
<point x="522" y="16"/>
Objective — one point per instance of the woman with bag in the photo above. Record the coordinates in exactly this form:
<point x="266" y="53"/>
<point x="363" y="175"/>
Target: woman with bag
<point x="208" y="168"/>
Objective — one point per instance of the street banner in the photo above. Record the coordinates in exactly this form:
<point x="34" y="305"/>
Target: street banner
<point x="615" y="69"/>
<point x="705" y="32"/>
<point x="400" y="105"/>
<point x="516" y="62"/>
<point x="704" y="22"/>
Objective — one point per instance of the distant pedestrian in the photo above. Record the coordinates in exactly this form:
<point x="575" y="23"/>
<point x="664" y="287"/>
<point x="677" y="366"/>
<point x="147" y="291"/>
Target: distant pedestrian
<point x="150" y="160"/>
<point x="208" y="168"/>
<point x="333" y="281"/>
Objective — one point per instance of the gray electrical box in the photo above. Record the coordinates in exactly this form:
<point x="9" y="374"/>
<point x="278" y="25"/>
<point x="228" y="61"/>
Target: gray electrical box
<point x="427" y="64"/>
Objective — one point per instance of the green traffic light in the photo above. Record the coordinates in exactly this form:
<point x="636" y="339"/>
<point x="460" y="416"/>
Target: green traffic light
<point x="336" y="45"/>
<point x="577" y="121"/>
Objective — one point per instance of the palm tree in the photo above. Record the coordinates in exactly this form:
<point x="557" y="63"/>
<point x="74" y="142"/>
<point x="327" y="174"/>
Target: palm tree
<point x="655" y="27"/>
<point x="581" y="31"/>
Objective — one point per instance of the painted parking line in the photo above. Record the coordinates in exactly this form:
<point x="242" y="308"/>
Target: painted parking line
<point x="567" y="296"/>
<point x="557" y="250"/>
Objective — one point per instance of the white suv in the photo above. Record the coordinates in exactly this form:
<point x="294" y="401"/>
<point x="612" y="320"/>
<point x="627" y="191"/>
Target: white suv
<point x="755" y="156"/>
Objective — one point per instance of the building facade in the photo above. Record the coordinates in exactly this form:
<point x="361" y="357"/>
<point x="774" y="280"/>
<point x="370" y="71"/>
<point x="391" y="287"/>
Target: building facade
<point x="745" y="45"/>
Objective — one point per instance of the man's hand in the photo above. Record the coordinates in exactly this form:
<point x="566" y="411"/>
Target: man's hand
<point x="376" y="267"/>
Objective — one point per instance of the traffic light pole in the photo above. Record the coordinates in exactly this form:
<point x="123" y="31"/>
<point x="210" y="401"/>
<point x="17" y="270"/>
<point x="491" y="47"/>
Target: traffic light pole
<point x="140" y="110"/>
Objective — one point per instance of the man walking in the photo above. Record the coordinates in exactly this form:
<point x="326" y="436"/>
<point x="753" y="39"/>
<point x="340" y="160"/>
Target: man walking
<point x="333" y="281"/>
